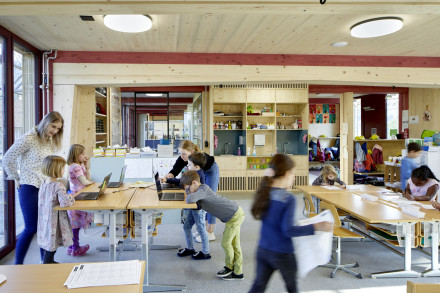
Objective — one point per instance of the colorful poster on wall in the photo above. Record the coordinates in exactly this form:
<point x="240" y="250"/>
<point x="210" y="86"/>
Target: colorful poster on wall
<point x="318" y="118"/>
<point x="325" y="108"/>
<point x="326" y="118"/>
<point x="319" y="109"/>
<point x="332" y="109"/>
<point x="332" y="118"/>
<point x="312" y="109"/>
<point x="311" y="118"/>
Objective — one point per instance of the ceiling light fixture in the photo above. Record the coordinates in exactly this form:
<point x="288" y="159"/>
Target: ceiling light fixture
<point x="339" y="44"/>
<point x="154" y="94"/>
<point x="130" y="23"/>
<point x="376" y="27"/>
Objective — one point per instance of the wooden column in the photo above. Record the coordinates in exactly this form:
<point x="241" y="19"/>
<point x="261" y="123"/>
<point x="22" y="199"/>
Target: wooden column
<point x="346" y="143"/>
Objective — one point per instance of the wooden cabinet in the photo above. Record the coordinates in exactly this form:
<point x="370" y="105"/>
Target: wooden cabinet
<point x="102" y="120"/>
<point x="229" y="95"/>
<point x="291" y="96"/>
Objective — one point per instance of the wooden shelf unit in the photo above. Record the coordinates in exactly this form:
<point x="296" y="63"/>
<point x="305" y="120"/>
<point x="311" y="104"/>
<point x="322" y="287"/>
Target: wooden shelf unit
<point x="102" y="121"/>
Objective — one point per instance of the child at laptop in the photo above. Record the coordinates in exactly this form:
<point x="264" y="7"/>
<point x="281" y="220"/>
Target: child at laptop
<point x="53" y="229"/>
<point x="79" y="177"/>
<point x="196" y="162"/>
<point x="229" y="212"/>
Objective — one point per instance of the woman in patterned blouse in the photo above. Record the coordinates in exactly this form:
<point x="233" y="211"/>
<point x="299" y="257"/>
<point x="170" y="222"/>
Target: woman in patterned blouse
<point x="27" y="154"/>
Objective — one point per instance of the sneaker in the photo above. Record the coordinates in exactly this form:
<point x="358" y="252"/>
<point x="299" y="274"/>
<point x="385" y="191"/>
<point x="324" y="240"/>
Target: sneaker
<point x="185" y="252"/>
<point x="81" y="250"/>
<point x="69" y="250"/>
<point x="200" y="255"/>
<point x="225" y="272"/>
<point x="233" y="277"/>
<point x="211" y="237"/>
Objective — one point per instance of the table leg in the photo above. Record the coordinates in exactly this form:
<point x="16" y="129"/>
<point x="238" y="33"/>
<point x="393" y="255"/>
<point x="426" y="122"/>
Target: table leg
<point x="112" y="236"/>
<point x="145" y="215"/>
<point x="434" y="271"/>
<point x="406" y="272"/>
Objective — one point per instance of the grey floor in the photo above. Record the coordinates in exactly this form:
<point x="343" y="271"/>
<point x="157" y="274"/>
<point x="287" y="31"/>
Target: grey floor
<point x="199" y="276"/>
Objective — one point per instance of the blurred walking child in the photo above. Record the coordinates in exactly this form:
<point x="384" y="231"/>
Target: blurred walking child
<point x="328" y="176"/>
<point x="196" y="162"/>
<point x="54" y="228"/>
<point x="79" y="177"/>
<point x="229" y="212"/>
<point x="275" y="206"/>
<point x="409" y="163"/>
<point x="423" y="185"/>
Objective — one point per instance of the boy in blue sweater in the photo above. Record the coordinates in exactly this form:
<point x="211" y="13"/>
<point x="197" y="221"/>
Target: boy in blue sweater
<point x="196" y="162"/>
<point x="409" y="163"/>
<point x="229" y="212"/>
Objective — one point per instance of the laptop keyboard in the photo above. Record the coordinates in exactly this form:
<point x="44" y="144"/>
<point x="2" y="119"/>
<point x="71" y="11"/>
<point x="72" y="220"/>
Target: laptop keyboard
<point x="173" y="196"/>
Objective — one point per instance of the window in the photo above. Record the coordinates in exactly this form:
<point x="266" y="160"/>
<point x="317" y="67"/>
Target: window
<point x="357" y="122"/>
<point x="392" y="107"/>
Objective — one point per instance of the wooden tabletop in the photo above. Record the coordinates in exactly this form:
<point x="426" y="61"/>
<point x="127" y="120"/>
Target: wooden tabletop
<point x="369" y="211"/>
<point x="108" y="201"/>
<point x="50" y="279"/>
<point x="311" y="189"/>
<point x="146" y="198"/>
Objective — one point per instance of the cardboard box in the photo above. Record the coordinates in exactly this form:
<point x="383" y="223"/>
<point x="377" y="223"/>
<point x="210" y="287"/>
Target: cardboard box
<point x="98" y="152"/>
<point x="110" y="152"/>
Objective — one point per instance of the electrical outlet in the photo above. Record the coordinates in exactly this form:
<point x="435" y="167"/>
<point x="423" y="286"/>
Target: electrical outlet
<point x="206" y="144"/>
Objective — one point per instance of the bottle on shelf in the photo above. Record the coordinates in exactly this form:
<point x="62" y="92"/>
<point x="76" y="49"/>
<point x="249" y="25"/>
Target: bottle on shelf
<point x="239" y="152"/>
<point x="254" y="153"/>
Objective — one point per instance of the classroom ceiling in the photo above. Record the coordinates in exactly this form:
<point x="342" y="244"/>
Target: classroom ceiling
<point x="244" y="27"/>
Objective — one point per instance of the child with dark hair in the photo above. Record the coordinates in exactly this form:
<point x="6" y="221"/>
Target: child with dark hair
<point x="196" y="162"/>
<point x="408" y="163"/>
<point x="423" y="185"/>
<point x="229" y="212"/>
<point x="275" y="206"/>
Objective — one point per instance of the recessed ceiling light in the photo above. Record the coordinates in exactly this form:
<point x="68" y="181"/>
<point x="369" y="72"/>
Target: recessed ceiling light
<point x="154" y="95"/>
<point x="134" y="23"/>
<point x="339" y="44"/>
<point x="376" y="27"/>
<point x="324" y="95"/>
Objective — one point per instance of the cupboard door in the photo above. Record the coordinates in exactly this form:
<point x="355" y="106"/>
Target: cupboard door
<point x="229" y="95"/>
<point x="292" y="96"/>
<point x="261" y="96"/>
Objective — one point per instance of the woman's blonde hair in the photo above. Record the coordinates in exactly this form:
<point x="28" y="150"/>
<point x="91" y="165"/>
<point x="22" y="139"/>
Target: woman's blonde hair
<point x="328" y="170"/>
<point x="53" y="166"/>
<point x="74" y="152"/>
<point x="52" y="117"/>
<point x="189" y="146"/>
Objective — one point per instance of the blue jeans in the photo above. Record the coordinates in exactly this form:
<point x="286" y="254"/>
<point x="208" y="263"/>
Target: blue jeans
<point x="196" y="217"/>
<point x="212" y="177"/>
<point x="28" y="197"/>
<point x="269" y="261"/>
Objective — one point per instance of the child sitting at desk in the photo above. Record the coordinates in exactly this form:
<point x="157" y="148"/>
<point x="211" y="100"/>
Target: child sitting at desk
<point x="196" y="162"/>
<point x="423" y="185"/>
<point x="328" y="176"/>
<point x="54" y="228"/>
<point x="408" y="163"/>
<point x="229" y="212"/>
<point x="79" y="177"/>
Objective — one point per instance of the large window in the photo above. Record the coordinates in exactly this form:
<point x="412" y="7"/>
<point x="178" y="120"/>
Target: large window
<point x="392" y="106"/>
<point x="357" y="122"/>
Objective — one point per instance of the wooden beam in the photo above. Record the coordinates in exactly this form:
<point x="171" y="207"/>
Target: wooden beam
<point x="346" y="141"/>
<point x="157" y="100"/>
<point x="170" y="89"/>
<point x="336" y="89"/>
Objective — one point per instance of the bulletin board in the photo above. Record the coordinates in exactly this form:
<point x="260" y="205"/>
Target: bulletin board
<point x="322" y="113"/>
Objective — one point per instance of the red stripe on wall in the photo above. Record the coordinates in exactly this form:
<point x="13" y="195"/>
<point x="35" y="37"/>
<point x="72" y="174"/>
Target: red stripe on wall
<point x="337" y="89"/>
<point x="244" y="59"/>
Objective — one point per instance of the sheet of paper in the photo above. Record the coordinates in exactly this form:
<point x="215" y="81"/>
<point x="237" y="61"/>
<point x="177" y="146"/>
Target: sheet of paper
<point x="2" y="278"/>
<point x="332" y="187"/>
<point x="352" y="187"/>
<point x="139" y="168"/>
<point x="314" y="250"/>
<point x="427" y="207"/>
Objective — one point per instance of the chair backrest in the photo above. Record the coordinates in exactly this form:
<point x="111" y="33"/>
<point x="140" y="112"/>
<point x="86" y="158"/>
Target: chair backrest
<point x="328" y="206"/>
<point x="308" y="204"/>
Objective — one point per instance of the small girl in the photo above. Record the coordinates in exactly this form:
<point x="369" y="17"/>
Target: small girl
<point x="79" y="177"/>
<point x="328" y="176"/>
<point x="423" y="185"/>
<point x="54" y="228"/>
<point x="275" y="206"/>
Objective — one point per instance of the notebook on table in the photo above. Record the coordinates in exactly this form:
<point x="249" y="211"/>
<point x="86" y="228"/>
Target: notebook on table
<point x="94" y="195"/>
<point x="166" y="186"/>
<point x="168" y="196"/>
<point x="121" y="179"/>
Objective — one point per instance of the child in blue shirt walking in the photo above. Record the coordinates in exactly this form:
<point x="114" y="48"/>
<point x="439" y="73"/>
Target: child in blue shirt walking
<point x="408" y="163"/>
<point x="275" y="206"/>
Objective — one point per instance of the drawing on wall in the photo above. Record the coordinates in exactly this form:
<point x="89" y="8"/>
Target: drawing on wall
<point x="312" y="109"/>
<point x="318" y="118"/>
<point x="319" y="109"/>
<point x="332" y="109"/>
<point x="311" y="118"/>
<point x="326" y="118"/>
<point x="325" y="108"/>
<point x="332" y="118"/>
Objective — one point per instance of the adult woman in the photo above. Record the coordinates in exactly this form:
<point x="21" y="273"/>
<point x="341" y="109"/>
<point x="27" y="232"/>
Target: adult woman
<point x="211" y="171"/>
<point x="29" y="151"/>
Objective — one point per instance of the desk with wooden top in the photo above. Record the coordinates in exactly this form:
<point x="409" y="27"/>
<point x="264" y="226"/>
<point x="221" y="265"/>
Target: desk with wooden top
<point x="110" y="203"/>
<point x="312" y="189"/>
<point x="146" y="202"/>
<point x="48" y="278"/>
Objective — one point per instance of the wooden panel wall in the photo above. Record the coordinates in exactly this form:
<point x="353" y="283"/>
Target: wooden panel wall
<point x="115" y="117"/>
<point x="419" y="98"/>
<point x="346" y="130"/>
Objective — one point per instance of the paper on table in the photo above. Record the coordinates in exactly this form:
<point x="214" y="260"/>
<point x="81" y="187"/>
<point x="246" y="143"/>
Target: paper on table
<point x="427" y="207"/>
<point x="314" y="250"/>
<point x="330" y="187"/>
<point x="352" y="187"/>
<point x="142" y="184"/>
<point x="369" y="197"/>
<point x="2" y="278"/>
<point x="413" y="211"/>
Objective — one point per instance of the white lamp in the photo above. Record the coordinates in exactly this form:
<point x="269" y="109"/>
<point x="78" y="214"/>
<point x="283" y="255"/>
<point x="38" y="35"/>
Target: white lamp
<point x="130" y="23"/>
<point x="376" y="27"/>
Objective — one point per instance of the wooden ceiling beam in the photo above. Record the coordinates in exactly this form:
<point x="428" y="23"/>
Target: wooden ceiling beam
<point x="157" y="100"/>
<point x="172" y="89"/>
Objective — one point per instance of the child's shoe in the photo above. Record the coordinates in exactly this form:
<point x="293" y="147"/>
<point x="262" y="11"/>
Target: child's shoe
<point x="225" y="272"/>
<point x="185" y="252"/>
<point x="69" y="250"/>
<point x="211" y="237"/>
<point x="81" y="250"/>
<point x="200" y="255"/>
<point x="233" y="277"/>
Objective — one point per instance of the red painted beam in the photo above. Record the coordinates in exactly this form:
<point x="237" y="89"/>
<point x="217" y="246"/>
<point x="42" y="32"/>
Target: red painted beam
<point x="161" y="108"/>
<point x="157" y="100"/>
<point x="171" y="89"/>
<point x="160" y="113"/>
<point x="324" y="101"/>
<point x="339" y="89"/>
<point x="244" y="59"/>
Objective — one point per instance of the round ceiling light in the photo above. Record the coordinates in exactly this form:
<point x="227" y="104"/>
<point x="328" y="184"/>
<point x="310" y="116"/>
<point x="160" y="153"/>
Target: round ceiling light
<point x="134" y="23"/>
<point x="376" y="27"/>
<point x="339" y="44"/>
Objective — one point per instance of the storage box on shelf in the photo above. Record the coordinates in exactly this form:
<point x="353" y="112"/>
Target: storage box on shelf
<point x="101" y="117"/>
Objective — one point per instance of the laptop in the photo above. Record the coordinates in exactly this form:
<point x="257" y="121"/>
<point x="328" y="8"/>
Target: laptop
<point x="94" y="195"/>
<point x="121" y="179"/>
<point x="166" y="186"/>
<point x="166" y="196"/>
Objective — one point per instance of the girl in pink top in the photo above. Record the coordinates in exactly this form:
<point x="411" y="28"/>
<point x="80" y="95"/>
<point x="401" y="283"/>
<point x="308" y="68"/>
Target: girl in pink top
<point x="79" y="177"/>
<point x="423" y="185"/>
